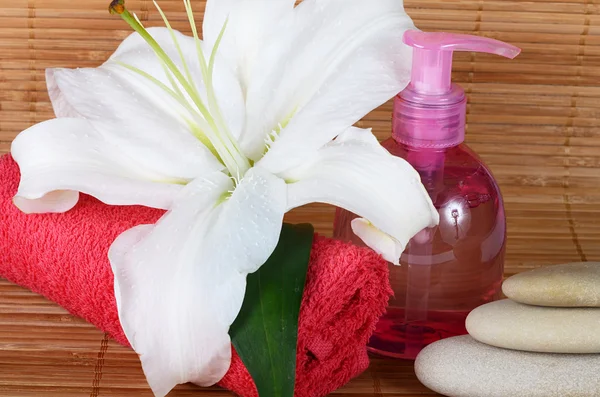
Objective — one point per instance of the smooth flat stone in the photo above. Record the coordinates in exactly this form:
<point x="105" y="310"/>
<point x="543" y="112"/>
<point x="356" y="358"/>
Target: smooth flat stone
<point x="513" y="325"/>
<point x="463" y="367"/>
<point x="569" y="285"/>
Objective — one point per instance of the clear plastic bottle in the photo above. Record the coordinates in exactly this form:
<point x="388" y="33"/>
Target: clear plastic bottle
<point x="446" y="271"/>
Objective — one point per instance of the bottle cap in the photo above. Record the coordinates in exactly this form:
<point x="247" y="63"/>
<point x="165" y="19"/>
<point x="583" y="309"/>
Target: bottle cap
<point x="431" y="111"/>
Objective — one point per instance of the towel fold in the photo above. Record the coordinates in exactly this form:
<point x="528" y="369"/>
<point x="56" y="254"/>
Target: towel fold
<point x="64" y="258"/>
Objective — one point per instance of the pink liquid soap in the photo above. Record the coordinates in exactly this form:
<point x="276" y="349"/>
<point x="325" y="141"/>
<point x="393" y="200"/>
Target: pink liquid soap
<point x="394" y="337"/>
<point x="446" y="271"/>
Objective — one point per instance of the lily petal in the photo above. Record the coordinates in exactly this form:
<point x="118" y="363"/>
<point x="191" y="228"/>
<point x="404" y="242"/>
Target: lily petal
<point x="249" y="23"/>
<point x="60" y="104"/>
<point x="180" y="284"/>
<point x="339" y="60"/>
<point x="382" y="243"/>
<point x="354" y="172"/>
<point x="61" y="157"/>
<point x="127" y="117"/>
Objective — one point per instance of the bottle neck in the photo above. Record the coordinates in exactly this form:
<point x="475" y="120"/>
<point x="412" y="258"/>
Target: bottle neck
<point x="430" y="121"/>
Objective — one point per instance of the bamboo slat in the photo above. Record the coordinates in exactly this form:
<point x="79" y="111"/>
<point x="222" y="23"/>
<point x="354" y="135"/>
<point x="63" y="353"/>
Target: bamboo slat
<point x="534" y="120"/>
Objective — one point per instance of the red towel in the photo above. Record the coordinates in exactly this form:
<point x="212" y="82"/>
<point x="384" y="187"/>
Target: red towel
<point x="64" y="258"/>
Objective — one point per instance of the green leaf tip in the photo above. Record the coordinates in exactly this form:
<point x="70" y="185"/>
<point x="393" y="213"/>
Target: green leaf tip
<point x="117" y="7"/>
<point x="265" y="333"/>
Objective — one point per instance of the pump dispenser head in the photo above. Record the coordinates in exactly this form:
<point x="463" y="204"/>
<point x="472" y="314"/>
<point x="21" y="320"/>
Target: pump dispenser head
<point x="431" y="111"/>
<point x="432" y="57"/>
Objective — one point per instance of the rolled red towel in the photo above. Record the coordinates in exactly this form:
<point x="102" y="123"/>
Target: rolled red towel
<point x="64" y="258"/>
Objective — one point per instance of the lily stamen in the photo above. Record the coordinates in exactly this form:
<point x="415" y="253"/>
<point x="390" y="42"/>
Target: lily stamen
<point x="217" y="133"/>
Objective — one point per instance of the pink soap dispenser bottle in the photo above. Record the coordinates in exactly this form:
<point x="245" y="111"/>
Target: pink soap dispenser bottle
<point x="447" y="271"/>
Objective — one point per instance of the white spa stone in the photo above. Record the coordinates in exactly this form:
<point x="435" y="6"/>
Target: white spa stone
<point x="513" y="325"/>
<point x="569" y="285"/>
<point x="463" y="367"/>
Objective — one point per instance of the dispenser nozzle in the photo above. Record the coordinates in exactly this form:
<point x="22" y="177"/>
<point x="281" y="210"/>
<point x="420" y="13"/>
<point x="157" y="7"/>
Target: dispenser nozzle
<point x="432" y="57"/>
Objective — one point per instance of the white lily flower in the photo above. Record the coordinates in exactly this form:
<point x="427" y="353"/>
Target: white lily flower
<point x="227" y="134"/>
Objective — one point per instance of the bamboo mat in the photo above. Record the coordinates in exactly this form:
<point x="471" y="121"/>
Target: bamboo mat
<point x="534" y="120"/>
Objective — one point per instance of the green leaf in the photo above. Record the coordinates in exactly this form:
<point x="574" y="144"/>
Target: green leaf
<point x="265" y="333"/>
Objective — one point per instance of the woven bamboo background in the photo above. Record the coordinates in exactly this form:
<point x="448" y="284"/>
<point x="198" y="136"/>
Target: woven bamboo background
<point x="535" y="120"/>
